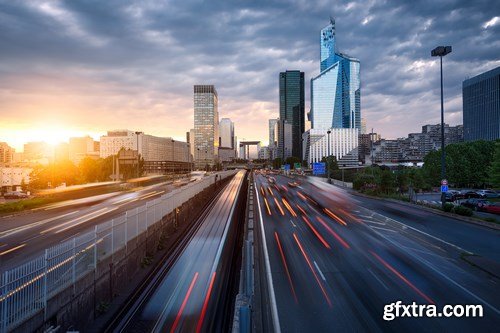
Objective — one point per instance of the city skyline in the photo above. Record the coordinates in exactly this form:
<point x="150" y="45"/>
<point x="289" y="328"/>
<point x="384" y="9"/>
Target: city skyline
<point x="140" y="63"/>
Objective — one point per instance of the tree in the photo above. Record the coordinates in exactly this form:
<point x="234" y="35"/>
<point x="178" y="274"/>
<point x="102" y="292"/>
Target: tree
<point x="292" y="160"/>
<point x="277" y="162"/>
<point x="494" y="170"/>
<point x="89" y="170"/>
<point x="331" y="162"/>
<point x="387" y="181"/>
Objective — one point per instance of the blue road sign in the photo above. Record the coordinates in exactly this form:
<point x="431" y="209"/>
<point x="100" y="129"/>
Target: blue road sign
<point x="287" y="167"/>
<point x="319" y="168"/>
<point x="444" y="188"/>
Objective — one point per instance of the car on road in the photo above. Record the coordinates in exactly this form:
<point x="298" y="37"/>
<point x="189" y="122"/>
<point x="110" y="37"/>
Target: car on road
<point x="474" y="203"/>
<point x="453" y="195"/>
<point x="15" y="195"/>
<point x="492" y="207"/>
<point x="470" y="194"/>
<point x="487" y="194"/>
<point x="293" y="184"/>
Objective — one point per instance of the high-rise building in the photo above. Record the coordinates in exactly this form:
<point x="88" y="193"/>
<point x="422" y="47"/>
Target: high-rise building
<point x="80" y="148"/>
<point x="273" y="138"/>
<point x="161" y="154"/>
<point x="285" y="140"/>
<point x="226" y="132"/>
<point x="206" y="125"/>
<point x="291" y="99"/>
<point x="6" y="153"/>
<point x="481" y="106"/>
<point x="335" y="92"/>
<point x="343" y="145"/>
<point x="38" y="152"/>
<point x="190" y="141"/>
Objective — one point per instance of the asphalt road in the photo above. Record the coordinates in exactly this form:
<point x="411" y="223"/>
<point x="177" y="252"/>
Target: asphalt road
<point x="27" y="234"/>
<point x="184" y="299"/>
<point x="337" y="259"/>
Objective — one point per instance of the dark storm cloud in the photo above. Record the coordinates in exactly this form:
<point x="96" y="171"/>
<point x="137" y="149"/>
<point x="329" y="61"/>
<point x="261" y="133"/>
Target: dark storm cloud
<point x="141" y="58"/>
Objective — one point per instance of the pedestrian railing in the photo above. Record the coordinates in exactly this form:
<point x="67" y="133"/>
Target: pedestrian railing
<point x="26" y="289"/>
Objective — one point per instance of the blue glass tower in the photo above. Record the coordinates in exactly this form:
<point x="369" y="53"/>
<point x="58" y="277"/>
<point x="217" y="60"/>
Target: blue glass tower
<point x="335" y="92"/>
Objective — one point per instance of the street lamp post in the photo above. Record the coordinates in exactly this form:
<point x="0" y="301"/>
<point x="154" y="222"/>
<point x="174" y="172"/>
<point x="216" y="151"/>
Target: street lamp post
<point x="328" y="157"/>
<point x="440" y="52"/>
<point x="138" y="158"/>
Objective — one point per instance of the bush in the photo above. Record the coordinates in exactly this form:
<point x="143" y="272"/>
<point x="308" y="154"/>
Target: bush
<point x="448" y="207"/>
<point x="461" y="210"/>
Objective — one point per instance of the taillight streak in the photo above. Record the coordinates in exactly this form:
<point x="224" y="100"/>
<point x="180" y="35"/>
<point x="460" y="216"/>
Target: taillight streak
<point x="312" y="269"/>
<point x="321" y="239"/>
<point x="399" y="275"/>
<point x="286" y="266"/>
<point x="205" y="304"/>
<point x="333" y="233"/>
<point x="184" y="302"/>
<point x="333" y="216"/>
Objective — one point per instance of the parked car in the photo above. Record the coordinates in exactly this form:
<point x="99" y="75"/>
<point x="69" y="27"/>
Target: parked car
<point x="493" y="207"/>
<point x="453" y="195"/>
<point x="473" y="203"/>
<point x="470" y="194"/>
<point x="487" y="194"/>
<point x="15" y="195"/>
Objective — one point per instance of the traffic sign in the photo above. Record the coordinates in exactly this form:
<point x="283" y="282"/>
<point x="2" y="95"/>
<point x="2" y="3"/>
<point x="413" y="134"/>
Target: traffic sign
<point x="444" y="188"/>
<point x="319" y="168"/>
<point x="297" y="165"/>
<point x="444" y="182"/>
<point x="287" y="167"/>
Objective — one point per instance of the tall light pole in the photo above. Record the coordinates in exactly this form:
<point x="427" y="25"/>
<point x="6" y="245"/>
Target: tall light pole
<point x="440" y="52"/>
<point x="328" y="157"/>
<point x="137" y="133"/>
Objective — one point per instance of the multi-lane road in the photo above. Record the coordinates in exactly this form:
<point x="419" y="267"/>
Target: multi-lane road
<point x="27" y="234"/>
<point x="336" y="260"/>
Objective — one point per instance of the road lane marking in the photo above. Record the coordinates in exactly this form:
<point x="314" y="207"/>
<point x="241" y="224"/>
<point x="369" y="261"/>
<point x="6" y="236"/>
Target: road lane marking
<point x="12" y="249"/>
<point x="384" y="229"/>
<point x="319" y="270"/>
<point x="429" y="235"/>
<point x="426" y="263"/>
<point x="378" y="279"/>
<point x="34" y="224"/>
<point x="294" y="225"/>
<point x="373" y="222"/>
<point x="272" y="296"/>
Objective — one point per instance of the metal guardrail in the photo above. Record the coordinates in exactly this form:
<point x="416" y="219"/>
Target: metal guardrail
<point x="26" y="289"/>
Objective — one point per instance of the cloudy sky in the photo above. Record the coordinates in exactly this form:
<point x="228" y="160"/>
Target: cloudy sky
<point x="77" y="67"/>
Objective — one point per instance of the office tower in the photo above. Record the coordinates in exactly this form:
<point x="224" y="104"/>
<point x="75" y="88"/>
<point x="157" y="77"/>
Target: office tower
<point x="285" y="140"/>
<point x="343" y="145"/>
<point x="226" y="132"/>
<point x="206" y="125"/>
<point x="273" y="138"/>
<point x="291" y="99"/>
<point x="190" y="141"/>
<point x="335" y="92"/>
<point x="6" y="153"/>
<point x="481" y="106"/>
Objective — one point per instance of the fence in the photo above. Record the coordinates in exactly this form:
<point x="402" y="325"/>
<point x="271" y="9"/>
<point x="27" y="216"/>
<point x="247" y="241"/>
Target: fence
<point x="26" y="289"/>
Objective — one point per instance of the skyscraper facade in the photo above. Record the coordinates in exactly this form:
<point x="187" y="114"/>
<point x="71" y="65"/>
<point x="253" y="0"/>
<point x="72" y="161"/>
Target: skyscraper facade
<point x="226" y="130"/>
<point x="335" y="92"/>
<point x="273" y="138"/>
<point x="291" y="94"/>
<point x="206" y="125"/>
<point x="481" y="106"/>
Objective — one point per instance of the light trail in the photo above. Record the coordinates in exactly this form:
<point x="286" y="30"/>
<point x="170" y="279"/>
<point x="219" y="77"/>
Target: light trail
<point x="312" y="269"/>
<point x="333" y="233"/>
<point x="286" y="266"/>
<point x="184" y="302"/>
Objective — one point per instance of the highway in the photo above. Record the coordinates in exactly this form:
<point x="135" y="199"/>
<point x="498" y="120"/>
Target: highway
<point x="188" y="295"/>
<point x="27" y="234"/>
<point x="336" y="259"/>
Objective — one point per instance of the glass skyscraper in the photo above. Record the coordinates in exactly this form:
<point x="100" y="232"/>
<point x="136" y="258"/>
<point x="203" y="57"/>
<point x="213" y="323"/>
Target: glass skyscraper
<point x="292" y="112"/>
<point x="481" y="106"/>
<point x="335" y="92"/>
<point x="206" y="125"/>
